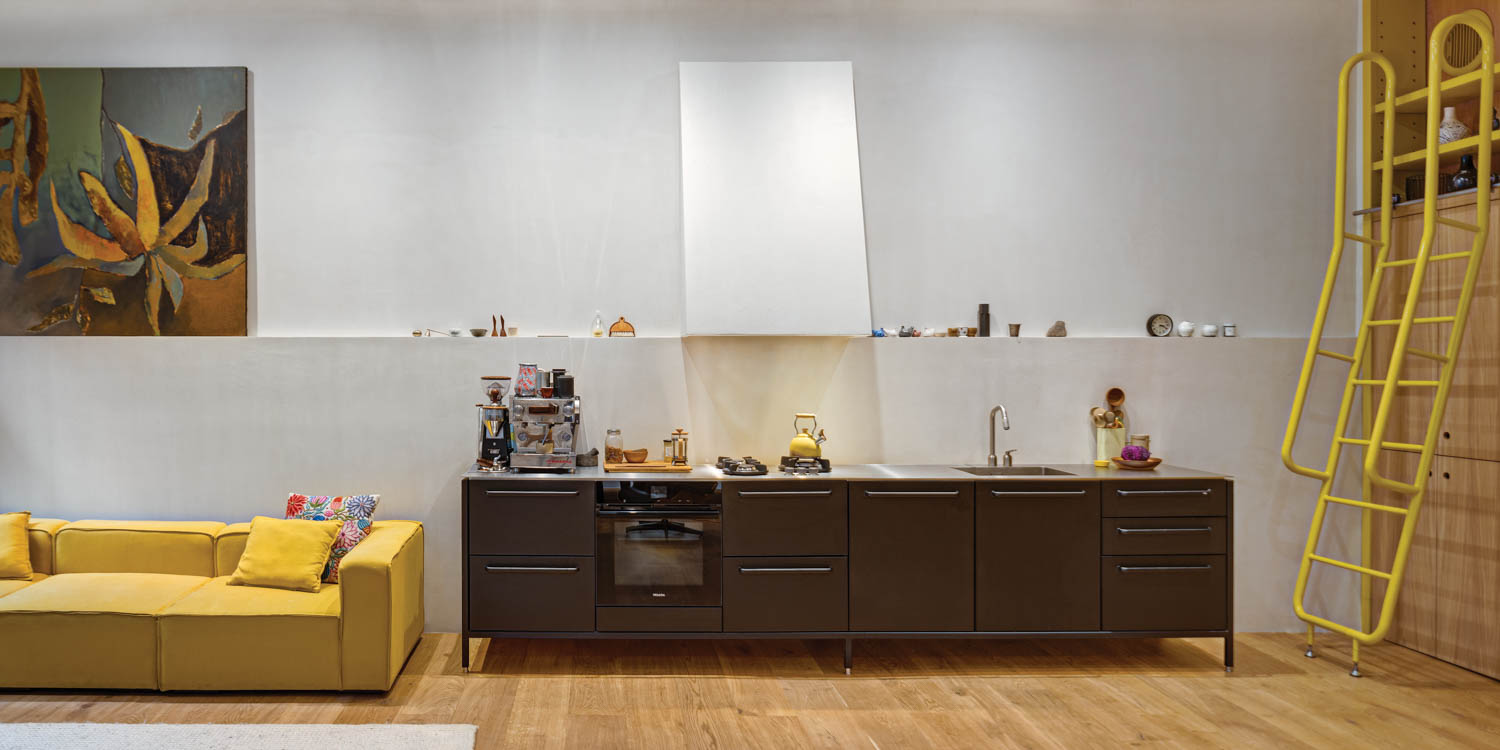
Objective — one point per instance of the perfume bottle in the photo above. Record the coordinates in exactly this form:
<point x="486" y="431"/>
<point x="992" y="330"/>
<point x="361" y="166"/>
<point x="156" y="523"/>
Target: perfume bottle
<point x="598" y="325"/>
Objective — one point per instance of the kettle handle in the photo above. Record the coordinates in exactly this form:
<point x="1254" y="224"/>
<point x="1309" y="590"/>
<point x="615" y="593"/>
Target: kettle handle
<point x="805" y="415"/>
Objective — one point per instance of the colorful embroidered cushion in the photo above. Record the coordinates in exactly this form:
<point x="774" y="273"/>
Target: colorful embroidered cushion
<point x="354" y="510"/>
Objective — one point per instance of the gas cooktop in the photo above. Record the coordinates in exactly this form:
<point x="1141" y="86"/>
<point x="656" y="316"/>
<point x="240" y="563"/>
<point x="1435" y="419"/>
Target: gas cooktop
<point x="741" y="467"/>
<point x="802" y="465"/>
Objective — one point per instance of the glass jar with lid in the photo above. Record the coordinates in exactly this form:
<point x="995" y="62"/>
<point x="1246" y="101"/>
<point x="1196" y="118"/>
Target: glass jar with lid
<point x="614" y="446"/>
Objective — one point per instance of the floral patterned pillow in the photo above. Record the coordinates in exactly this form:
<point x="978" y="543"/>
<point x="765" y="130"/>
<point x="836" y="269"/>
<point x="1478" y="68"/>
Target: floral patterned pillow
<point x="355" y="511"/>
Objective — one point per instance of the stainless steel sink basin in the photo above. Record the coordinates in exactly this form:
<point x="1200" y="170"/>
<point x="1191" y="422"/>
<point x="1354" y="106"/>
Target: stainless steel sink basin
<point x="1014" y="471"/>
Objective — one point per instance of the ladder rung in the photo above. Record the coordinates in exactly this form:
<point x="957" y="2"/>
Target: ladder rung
<point x="1335" y="355"/>
<point x="1363" y="504"/>
<point x="1413" y="261"/>
<point x="1405" y="447"/>
<point x="1395" y="263"/>
<point x="1437" y="319"/>
<point x="1450" y="256"/>
<point x="1464" y="225"/>
<point x="1351" y="566"/>
<point x="1364" y="239"/>
<point x="1428" y="355"/>
<point x="1400" y="383"/>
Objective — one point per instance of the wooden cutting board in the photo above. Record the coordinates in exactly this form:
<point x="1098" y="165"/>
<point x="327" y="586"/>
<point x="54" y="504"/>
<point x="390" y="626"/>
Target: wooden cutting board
<point x="648" y="467"/>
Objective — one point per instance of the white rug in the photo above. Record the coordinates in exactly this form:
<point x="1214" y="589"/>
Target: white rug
<point x="237" y="736"/>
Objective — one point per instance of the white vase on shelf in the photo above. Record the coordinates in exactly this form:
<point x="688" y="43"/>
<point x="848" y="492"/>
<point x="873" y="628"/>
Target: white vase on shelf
<point x="1451" y="129"/>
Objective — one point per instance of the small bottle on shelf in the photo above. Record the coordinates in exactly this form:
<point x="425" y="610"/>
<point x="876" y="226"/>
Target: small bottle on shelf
<point x="598" y="325"/>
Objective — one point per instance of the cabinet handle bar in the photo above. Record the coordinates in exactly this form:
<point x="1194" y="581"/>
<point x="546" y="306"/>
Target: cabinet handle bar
<point x="1160" y="568"/>
<point x="531" y="492"/>
<point x="787" y="570"/>
<point x="530" y="569"/>
<point x="1048" y="493"/>
<point x="782" y="493"/>
<point x="928" y="493"/>
<point x="1128" y="493"/>
<point x="1192" y="530"/>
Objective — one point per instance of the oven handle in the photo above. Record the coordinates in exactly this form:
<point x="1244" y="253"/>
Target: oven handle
<point x="658" y="513"/>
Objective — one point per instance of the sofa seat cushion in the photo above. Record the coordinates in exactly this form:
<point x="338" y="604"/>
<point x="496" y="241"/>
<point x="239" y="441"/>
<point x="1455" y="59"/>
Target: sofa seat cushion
<point x="9" y="586"/>
<point x="87" y="630"/>
<point x="223" y="637"/>
<point x="179" y="547"/>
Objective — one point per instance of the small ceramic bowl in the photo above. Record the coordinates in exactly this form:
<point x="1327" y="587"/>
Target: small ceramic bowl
<point x="477" y="332"/>
<point x="635" y="456"/>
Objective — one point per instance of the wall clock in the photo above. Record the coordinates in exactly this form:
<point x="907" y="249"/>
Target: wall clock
<point x="1159" y="325"/>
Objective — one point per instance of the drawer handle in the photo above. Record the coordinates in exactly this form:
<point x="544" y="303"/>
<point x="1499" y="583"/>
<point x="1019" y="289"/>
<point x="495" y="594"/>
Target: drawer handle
<point x="929" y="493"/>
<point x="530" y="569"/>
<point x="1160" y="568"/>
<point x="787" y="570"/>
<point x="782" y="493"/>
<point x="1128" y="493"/>
<point x="531" y="492"/>
<point x="1192" y="530"/>
<point x="1048" y="493"/>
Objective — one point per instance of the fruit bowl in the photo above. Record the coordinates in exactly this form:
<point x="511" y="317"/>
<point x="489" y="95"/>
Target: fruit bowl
<point x="635" y="455"/>
<point x="1146" y="465"/>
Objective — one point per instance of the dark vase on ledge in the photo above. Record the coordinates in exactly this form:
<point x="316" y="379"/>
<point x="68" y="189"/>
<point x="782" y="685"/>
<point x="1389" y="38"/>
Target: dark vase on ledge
<point x="1467" y="175"/>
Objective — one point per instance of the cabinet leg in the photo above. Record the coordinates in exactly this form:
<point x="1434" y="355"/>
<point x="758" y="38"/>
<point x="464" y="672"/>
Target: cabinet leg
<point x="1228" y="653"/>
<point x="848" y="656"/>
<point x="463" y="645"/>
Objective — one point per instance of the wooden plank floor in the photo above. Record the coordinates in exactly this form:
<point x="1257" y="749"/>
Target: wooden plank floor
<point x="903" y="694"/>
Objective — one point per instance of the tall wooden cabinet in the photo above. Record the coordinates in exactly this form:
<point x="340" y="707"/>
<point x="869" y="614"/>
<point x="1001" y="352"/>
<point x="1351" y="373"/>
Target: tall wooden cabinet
<point x="1450" y="600"/>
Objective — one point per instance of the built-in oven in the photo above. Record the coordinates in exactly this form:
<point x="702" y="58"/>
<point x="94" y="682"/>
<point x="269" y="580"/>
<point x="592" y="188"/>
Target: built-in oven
<point x="660" y="544"/>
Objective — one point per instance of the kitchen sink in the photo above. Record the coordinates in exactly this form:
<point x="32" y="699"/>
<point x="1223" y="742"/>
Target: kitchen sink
<point x="1014" y="471"/>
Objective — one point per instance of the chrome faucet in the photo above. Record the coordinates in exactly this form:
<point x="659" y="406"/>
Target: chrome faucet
<point x="1004" y="423"/>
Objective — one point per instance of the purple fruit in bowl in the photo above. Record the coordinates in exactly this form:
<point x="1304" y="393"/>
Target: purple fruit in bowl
<point x="1135" y="453"/>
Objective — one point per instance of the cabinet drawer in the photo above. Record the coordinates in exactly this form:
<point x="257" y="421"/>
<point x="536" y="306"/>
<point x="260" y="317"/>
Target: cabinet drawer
<point x="1164" y="498"/>
<point x="787" y="594"/>
<point x="1173" y="535"/>
<point x="531" y="593"/>
<point x="660" y="620"/>
<point x="798" y="517"/>
<point x="531" y="518"/>
<point x="1178" y="592"/>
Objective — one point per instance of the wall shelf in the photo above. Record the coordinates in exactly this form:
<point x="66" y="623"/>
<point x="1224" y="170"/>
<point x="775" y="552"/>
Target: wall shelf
<point x="1455" y="90"/>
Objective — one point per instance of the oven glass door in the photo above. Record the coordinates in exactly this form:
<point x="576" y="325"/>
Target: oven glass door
<point x="659" y="557"/>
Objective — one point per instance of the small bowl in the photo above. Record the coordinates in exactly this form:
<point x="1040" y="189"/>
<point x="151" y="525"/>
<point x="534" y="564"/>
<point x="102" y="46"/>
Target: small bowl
<point x="478" y="332"/>
<point x="1146" y="465"/>
<point x="635" y="456"/>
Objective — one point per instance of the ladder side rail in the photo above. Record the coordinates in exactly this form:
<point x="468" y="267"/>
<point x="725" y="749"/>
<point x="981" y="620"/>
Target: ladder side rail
<point x="1335" y="260"/>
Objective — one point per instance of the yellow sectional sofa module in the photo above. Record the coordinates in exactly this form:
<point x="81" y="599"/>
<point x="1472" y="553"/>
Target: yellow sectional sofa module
<point x="144" y="604"/>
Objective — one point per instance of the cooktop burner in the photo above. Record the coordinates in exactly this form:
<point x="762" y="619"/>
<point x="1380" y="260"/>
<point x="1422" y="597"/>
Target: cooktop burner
<point x="743" y="467"/>
<point x="802" y="465"/>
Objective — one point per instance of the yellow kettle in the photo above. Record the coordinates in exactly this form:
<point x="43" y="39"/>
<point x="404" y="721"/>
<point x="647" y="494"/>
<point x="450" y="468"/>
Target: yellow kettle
<point x="804" y="445"/>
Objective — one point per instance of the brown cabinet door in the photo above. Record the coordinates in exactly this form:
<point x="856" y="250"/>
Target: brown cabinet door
<point x="911" y="556"/>
<point x="531" y="594"/>
<point x="519" y="517"/>
<point x="1164" y="497"/>
<point x="795" y="517"/>
<point x="785" y="594"/>
<point x="1171" y="592"/>
<point x="1179" y="535"/>
<point x="1036" y="549"/>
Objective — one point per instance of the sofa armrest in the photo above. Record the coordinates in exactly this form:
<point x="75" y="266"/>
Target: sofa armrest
<point x="381" y="604"/>
<point x="39" y="536"/>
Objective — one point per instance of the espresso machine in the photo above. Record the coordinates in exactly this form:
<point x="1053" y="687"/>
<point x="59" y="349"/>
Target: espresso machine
<point x="546" y="425"/>
<point x="494" y="424"/>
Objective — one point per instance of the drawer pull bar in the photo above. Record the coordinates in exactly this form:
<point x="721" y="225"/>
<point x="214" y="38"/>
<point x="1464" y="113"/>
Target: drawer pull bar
<point x="1193" y="530"/>
<point x="1160" y="568"/>
<point x="1050" y="493"/>
<point x="782" y="493"/>
<point x="786" y="570"/>
<point x="1128" y="493"/>
<point x="531" y="492"/>
<point x="530" y="569"/>
<point x="929" y="493"/>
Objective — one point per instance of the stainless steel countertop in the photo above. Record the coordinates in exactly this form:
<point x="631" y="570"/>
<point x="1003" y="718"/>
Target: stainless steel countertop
<point x="861" y="472"/>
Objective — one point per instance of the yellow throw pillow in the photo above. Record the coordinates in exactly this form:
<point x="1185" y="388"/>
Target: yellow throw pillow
<point x="285" y="553"/>
<point x="15" y="550"/>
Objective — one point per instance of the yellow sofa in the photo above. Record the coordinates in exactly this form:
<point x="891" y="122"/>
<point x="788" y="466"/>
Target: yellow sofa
<point x="143" y="604"/>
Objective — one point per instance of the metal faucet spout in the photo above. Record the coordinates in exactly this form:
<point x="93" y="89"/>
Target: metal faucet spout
<point x="992" y="459"/>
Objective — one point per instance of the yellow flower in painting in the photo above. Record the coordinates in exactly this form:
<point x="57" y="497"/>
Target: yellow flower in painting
<point x="141" y="242"/>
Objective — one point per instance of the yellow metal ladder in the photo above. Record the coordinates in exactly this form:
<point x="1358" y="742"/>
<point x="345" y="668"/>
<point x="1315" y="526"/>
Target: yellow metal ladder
<point x="1359" y="377"/>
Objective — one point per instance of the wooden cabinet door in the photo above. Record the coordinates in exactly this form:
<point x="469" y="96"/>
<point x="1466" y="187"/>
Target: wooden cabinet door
<point x="1468" y="423"/>
<point x="1036" y="549"/>
<point x="911" y="556"/>
<point x="1413" y="406"/>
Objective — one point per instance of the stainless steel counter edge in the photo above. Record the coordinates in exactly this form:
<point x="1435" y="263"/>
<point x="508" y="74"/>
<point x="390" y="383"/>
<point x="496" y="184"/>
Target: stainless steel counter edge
<point x="861" y="473"/>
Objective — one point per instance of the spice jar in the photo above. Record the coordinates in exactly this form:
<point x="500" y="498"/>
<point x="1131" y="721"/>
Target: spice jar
<point x="1143" y="441"/>
<point x="614" y="447"/>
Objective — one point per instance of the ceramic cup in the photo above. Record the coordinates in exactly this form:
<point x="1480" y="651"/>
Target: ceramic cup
<point x="1230" y="331"/>
<point x="1210" y="330"/>
<point x="1015" y="330"/>
<point x="1184" y="328"/>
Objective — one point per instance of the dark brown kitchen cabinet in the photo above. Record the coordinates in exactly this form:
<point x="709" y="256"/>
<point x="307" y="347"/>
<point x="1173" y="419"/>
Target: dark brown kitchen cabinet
<point x="1165" y="592"/>
<point x="786" y="594"/>
<point x="1180" y="535"/>
<point x="531" y="593"/>
<point x="531" y="518"/>
<point x="793" y="517"/>
<point x="911" y="556"/>
<point x="1036" y="548"/>
<point x="1164" y="497"/>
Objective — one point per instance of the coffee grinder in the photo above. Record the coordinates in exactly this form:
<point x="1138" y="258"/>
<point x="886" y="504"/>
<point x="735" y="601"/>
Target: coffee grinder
<point x="494" y="424"/>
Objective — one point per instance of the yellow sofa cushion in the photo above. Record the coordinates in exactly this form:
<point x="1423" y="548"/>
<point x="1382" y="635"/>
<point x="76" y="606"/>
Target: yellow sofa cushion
<point x="13" y="585"/>
<point x="224" y="637"/>
<point x="87" y="630"/>
<point x="40" y="533"/>
<point x="383" y="604"/>
<point x="229" y="546"/>
<point x="285" y="553"/>
<point x="15" y="548"/>
<point x="171" y="547"/>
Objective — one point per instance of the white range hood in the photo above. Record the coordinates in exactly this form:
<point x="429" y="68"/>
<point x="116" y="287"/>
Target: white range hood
<point x="772" y="212"/>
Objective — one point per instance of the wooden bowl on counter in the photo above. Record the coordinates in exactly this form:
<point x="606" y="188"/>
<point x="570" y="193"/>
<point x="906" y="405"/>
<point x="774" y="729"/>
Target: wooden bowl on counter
<point x="1146" y="465"/>
<point x="635" y="456"/>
